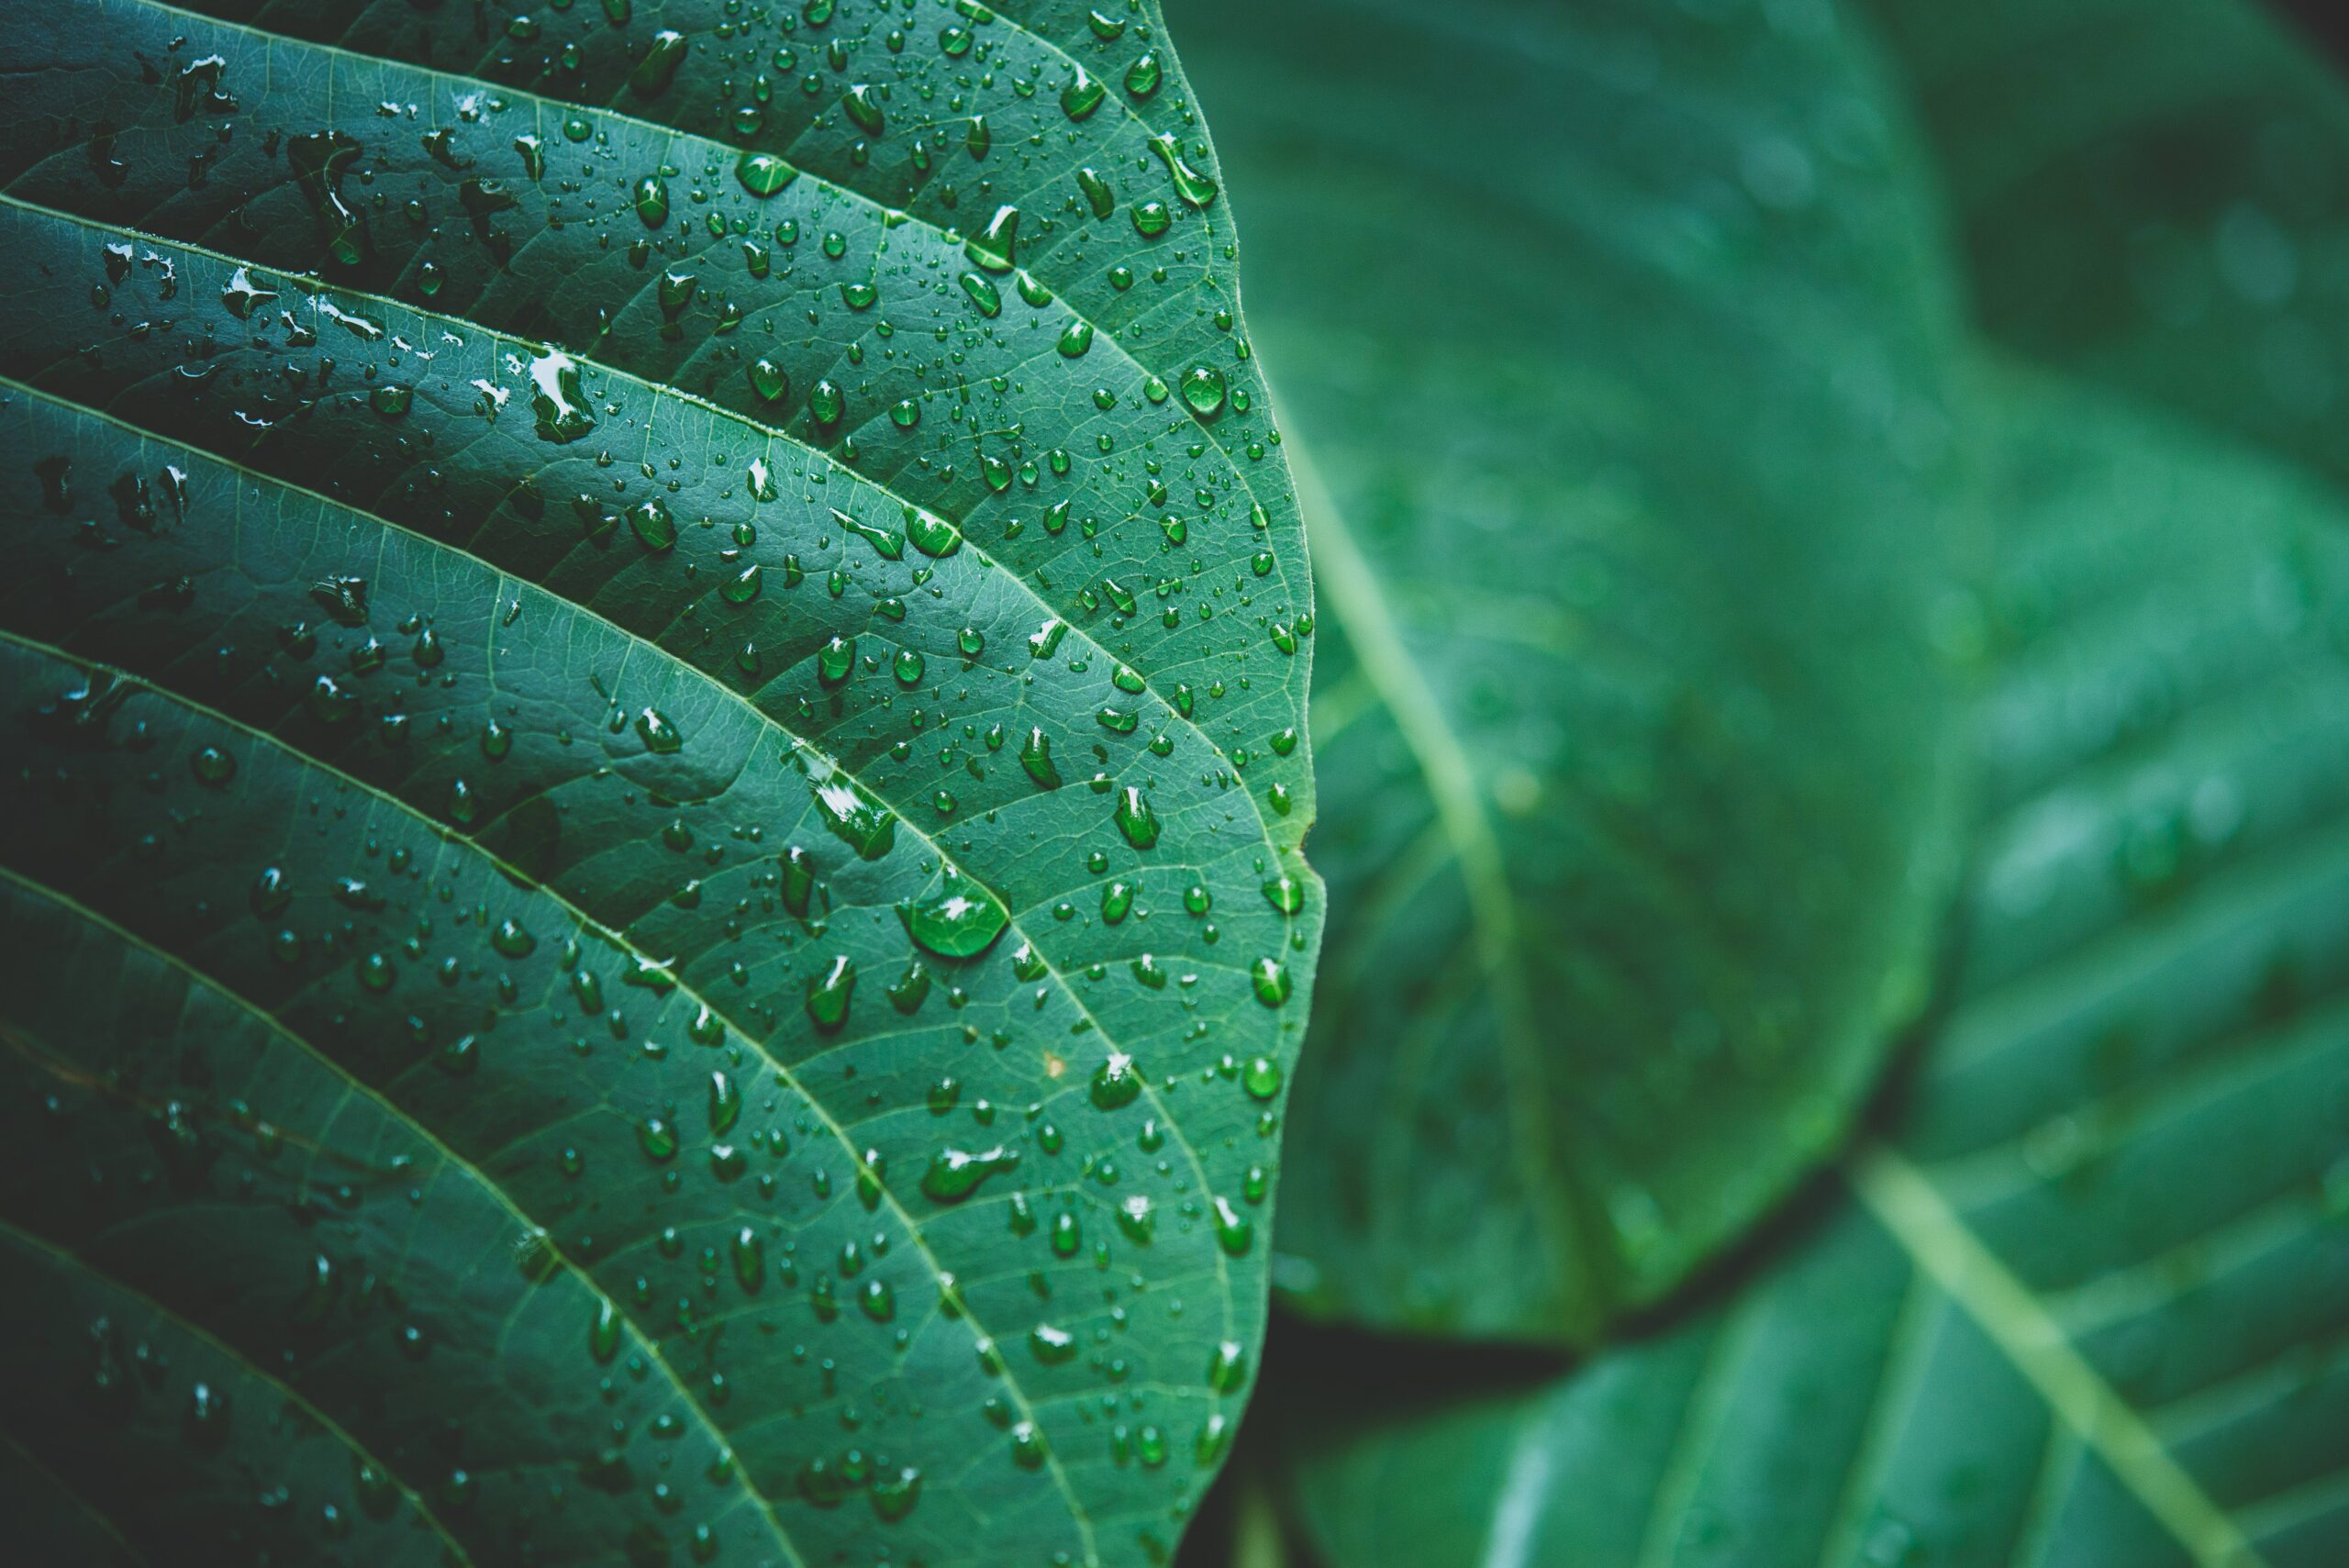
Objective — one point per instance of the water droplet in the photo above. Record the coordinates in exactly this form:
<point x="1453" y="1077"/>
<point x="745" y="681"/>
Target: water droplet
<point x="1117" y="1083"/>
<point x="659" y="67"/>
<point x="1036" y="757"/>
<point x="1139" y="823"/>
<point x="658" y="734"/>
<point x="863" y="103"/>
<point x="828" y="993"/>
<point x="955" y="1174"/>
<point x="1203" y="389"/>
<point x="762" y="173"/>
<point x="959" y="919"/>
<point x="1082" y="95"/>
<point x="1261" y="1078"/>
<point x="995" y="248"/>
<point x="557" y="407"/>
<point x="652" y="196"/>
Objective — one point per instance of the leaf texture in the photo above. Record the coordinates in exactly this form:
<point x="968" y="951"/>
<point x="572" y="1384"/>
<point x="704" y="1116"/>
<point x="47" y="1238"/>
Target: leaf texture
<point x="652" y="867"/>
<point x="1617" y="340"/>
<point x="2083" y="1303"/>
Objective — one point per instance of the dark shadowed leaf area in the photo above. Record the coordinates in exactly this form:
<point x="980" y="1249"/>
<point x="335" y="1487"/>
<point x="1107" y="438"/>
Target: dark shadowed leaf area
<point x="2080" y="1300"/>
<point x="1618" y="344"/>
<point x="654" y="666"/>
<point x="2175" y="228"/>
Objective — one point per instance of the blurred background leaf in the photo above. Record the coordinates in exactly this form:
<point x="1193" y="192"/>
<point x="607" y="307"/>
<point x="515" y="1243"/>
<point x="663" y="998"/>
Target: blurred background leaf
<point x="2078" y="1297"/>
<point x="2082" y="1300"/>
<point x="1616" y="341"/>
<point x="2152" y="196"/>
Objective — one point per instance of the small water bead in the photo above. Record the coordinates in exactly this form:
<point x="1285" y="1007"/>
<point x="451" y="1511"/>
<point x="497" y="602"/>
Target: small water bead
<point x="1203" y="391"/>
<point x="659" y="735"/>
<point x="1151" y="220"/>
<point x="1144" y="74"/>
<point x="652" y="197"/>
<point x="1082" y="95"/>
<point x="659" y="66"/>
<point x="862" y="104"/>
<point x="1235" y="1231"/>
<point x="769" y="381"/>
<point x="749" y="1258"/>
<point x="908" y="667"/>
<point x="743" y="587"/>
<point x="995" y="248"/>
<point x="1036" y="758"/>
<point x="763" y="174"/>
<point x="657" y="1137"/>
<point x="955" y="1174"/>
<point x="1286" y="894"/>
<point x="604" y="1330"/>
<point x="959" y="919"/>
<point x="1270" y="979"/>
<point x="1098" y="196"/>
<point x="1228" y="1367"/>
<point x="827" y="404"/>
<point x="725" y="1102"/>
<point x="836" y="660"/>
<point x="1136" y="820"/>
<point x="212" y="766"/>
<point x="1117" y="1083"/>
<point x="654" y="523"/>
<point x="1261" y="1078"/>
<point x="828" y="993"/>
<point x="982" y="294"/>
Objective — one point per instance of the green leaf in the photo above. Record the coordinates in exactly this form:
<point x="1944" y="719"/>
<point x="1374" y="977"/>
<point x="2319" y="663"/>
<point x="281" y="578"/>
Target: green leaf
<point x="1618" y="349"/>
<point x="633" y="873"/>
<point x="2155" y="196"/>
<point x="2083" y="1301"/>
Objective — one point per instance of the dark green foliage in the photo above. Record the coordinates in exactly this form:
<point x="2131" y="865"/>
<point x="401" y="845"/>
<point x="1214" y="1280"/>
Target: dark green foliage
<point x="634" y="661"/>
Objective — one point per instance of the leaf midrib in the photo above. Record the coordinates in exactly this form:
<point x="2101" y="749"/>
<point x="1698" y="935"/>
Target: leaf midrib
<point x="1359" y="605"/>
<point x="1912" y="1211"/>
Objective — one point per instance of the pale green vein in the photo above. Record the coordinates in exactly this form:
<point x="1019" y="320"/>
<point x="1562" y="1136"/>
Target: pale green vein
<point x="619" y="942"/>
<point x="1916" y="1216"/>
<point x="450" y="1159"/>
<point x="1703" y="1411"/>
<point x="1174" y="1131"/>
<point x="1354" y="598"/>
<point x="312" y="290"/>
<point x="723" y="155"/>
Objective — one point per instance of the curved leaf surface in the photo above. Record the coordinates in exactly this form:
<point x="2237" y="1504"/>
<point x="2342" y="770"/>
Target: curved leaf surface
<point x="651" y="874"/>
<point x="2155" y="196"/>
<point x="1637" y="496"/>
<point x="2085" y="1303"/>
